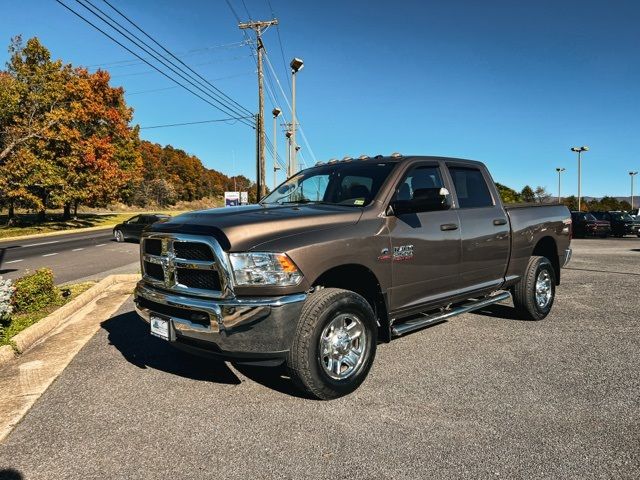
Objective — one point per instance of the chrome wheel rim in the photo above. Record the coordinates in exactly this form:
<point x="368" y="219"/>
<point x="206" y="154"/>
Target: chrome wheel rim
<point x="544" y="289"/>
<point x="119" y="236"/>
<point x="343" y="346"/>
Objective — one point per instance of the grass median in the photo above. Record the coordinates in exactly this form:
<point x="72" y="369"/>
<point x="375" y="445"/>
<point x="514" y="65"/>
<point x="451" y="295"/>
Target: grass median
<point x="34" y="298"/>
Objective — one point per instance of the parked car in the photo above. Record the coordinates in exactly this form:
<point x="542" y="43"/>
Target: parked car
<point x="621" y="223"/>
<point x="132" y="229"/>
<point x="585" y="225"/>
<point x="343" y="255"/>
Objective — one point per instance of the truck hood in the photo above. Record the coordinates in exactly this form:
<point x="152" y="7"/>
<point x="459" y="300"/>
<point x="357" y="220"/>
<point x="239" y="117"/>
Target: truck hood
<point x="242" y="228"/>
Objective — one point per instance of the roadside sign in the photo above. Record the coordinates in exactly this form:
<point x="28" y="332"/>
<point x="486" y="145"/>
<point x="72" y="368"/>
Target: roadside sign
<point x="244" y="198"/>
<point x="231" y="199"/>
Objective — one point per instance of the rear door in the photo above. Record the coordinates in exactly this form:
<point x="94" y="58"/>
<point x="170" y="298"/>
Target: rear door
<point x="425" y="253"/>
<point x="484" y="228"/>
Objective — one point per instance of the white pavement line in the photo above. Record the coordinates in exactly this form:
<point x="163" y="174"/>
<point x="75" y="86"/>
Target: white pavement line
<point x="15" y="261"/>
<point x="38" y="244"/>
<point x="77" y="249"/>
<point x="101" y="245"/>
<point x="49" y="254"/>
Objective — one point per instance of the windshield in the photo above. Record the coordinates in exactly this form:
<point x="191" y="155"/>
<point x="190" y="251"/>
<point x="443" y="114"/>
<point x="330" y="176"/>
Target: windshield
<point x="348" y="184"/>
<point x="621" y="216"/>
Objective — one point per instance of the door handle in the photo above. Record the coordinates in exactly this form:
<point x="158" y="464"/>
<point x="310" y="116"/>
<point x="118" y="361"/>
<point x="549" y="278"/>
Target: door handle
<point x="448" y="226"/>
<point x="500" y="221"/>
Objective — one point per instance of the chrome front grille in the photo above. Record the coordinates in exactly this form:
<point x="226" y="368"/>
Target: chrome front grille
<point x="190" y="264"/>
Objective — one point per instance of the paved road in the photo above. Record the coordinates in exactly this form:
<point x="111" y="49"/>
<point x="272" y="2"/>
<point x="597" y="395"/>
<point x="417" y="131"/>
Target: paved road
<point x="72" y="256"/>
<point x="480" y="396"/>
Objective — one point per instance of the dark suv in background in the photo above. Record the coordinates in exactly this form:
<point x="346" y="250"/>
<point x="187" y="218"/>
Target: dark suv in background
<point x="132" y="229"/>
<point x="621" y="223"/>
<point x="585" y="225"/>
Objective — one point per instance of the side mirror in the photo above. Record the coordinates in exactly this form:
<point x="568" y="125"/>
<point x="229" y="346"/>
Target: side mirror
<point x="424" y="200"/>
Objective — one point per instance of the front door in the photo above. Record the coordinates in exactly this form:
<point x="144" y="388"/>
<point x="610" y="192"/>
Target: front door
<point x="425" y="252"/>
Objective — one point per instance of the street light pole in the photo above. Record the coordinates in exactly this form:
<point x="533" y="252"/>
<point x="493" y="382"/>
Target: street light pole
<point x="632" y="175"/>
<point x="579" y="151"/>
<point x="276" y="112"/>
<point x="559" y="170"/>
<point x="296" y="65"/>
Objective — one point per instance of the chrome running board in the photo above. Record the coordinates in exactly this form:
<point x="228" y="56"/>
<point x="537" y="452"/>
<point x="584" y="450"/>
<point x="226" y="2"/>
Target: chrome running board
<point x="417" y="323"/>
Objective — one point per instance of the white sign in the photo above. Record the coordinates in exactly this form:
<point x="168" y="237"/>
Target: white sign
<point x="244" y="198"/>
<point x="231" y="199"/>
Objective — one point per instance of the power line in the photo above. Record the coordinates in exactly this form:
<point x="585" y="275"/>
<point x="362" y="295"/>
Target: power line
<point x="284" y="62"/>
<point x="223" y="106"/>
<point x="136" y="55"/>
<point x="233" y="113"/>
<point x="230" y="120"/>
<point x="195" y="51"/>
<point x="176" y="58"/>
<point x="139" y="92"/>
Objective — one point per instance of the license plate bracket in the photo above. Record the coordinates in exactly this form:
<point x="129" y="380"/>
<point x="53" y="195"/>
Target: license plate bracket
<point x="161" y="327"/>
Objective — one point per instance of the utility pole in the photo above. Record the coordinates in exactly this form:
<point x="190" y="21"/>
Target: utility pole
<point x="559" y="170"/>
<point x="259" y="27"/>
<point x="288" y="135"/>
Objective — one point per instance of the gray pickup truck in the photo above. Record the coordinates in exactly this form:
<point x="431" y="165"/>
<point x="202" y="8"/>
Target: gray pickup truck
<point x="345" y="255"/>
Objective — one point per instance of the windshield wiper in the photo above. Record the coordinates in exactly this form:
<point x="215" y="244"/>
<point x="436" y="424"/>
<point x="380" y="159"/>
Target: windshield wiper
<point x="304" y="200"/>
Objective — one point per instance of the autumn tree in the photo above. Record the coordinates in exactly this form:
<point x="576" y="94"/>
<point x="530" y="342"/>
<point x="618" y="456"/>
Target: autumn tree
<point x="508" y="195"/>
<point x="541" y="194"/>
<point x="32" y="101"/>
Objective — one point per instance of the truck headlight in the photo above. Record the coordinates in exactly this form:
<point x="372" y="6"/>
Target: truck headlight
<point x="264" y="268"/>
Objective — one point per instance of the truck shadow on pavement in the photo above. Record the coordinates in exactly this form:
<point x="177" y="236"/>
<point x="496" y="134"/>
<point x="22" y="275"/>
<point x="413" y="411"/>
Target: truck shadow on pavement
<point x="130" y="335"/>
<point x="497" y="310"/>
<point x="10" y="474"/>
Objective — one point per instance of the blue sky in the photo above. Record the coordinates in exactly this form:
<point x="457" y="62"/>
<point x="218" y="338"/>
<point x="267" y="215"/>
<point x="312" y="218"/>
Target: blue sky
<point x="514" y="84"/>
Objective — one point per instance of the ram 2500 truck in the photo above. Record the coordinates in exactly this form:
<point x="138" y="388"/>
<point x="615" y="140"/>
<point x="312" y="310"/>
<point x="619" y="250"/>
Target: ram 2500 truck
<point x="345" y="255"/>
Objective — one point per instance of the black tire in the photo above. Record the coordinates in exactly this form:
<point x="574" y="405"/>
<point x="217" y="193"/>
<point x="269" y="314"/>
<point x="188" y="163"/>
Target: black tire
<point x="118" y="235"/>
<point x="305" y="363"/>
<point x="524" y="292"/>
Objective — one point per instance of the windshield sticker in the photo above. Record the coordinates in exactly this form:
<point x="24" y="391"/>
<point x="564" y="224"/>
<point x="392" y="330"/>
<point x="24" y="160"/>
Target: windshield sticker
<point x="358" y="202"/>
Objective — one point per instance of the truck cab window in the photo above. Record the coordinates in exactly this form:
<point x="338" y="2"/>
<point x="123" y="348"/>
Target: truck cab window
<point x="423" y="180"/>
<point x="471" y="187"/>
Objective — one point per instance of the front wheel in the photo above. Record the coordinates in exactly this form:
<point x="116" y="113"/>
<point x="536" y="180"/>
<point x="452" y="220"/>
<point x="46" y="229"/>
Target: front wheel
<point x="534" y="294"/>
<point x="118" y="236"/>
<point x="334" y="345"/>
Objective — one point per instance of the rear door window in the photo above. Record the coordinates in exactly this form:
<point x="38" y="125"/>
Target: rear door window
<point x="471" y="187"/>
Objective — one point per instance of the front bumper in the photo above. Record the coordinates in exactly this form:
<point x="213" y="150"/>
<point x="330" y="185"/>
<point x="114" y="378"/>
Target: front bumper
<point x="252" y="328"/>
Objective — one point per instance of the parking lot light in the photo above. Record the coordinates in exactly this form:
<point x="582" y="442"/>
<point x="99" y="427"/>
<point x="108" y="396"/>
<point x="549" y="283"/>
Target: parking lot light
<point x="632" y="175"/>
<point x="579" y="151"/>
<point x="559" y="170"/>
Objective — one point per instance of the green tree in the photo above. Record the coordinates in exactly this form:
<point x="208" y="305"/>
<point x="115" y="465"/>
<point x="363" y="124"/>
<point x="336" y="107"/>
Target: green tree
<point x="508" y="195"/>
<point x="571" y="202"/>
<point x="527" y="194"/>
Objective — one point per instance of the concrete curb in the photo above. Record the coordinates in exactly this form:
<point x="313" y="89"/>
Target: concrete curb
<point x="31" y="335"/>
<point x="6" y="354"/>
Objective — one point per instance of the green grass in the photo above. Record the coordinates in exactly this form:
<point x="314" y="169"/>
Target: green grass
<point x="26" y="224"/>
<point x="18" y="322"/>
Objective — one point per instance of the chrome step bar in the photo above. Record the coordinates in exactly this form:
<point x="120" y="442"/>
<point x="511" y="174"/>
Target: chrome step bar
<point x="417" y="323"/>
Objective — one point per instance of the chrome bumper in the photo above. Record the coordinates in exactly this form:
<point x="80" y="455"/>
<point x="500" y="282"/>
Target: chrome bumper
<point x="235" y="327"/>
<point x="567" y="257"/>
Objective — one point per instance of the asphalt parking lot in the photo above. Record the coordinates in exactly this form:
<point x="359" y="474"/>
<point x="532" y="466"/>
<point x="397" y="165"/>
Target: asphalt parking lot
<point x="481" y="396"/>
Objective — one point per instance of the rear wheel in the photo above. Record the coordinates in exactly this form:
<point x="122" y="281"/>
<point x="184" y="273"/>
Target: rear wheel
<point x="118" y="235"/>
<point x="334" y="345"/>
<point x="533" y="296"/>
